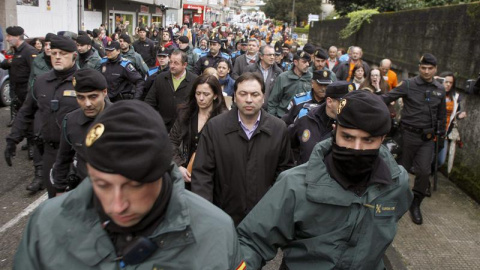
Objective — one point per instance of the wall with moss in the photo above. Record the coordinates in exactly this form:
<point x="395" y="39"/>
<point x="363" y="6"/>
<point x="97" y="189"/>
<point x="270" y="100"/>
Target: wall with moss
<point x="452" y="34"/>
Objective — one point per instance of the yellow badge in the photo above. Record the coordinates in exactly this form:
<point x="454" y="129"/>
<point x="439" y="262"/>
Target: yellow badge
<point x="306" y="135"/>
<point x="94" y="133"/>
<point x="69" y="93"/>
<point x="206" y="63"/>
<point x="74" y="82"/>
<point x="34" y="55"/>
<point x="325" y="73"/>
<point x="350" y="88"/>
<point x="342" y="104"/>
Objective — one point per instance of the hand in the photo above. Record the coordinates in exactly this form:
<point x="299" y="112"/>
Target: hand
<point x="10" y="152"/>
<point x="462" y="115"/>
<point x="185" y="174"/>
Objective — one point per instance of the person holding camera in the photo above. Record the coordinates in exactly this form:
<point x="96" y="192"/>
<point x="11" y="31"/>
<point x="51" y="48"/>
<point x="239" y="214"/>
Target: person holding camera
<point x="423" y="116"/>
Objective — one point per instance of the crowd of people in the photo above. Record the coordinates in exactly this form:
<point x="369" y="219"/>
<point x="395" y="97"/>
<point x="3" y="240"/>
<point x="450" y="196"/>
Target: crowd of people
<point x="286" y="140"/>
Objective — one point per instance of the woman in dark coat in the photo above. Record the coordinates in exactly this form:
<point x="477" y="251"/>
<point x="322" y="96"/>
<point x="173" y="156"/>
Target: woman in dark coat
<point x="204" y="102"/>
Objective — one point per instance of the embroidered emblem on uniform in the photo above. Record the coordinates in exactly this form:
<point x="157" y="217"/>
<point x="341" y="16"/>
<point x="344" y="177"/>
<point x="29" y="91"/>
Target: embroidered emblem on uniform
<point x="94" y="134"/>
<point x="325" y="73"/>
<point x="130" y="67"/>
<point x="302" y="54"/>
<point x="306" y="135"/>
<point x="104" y="68"/>
<point x="350" y="88"/>
<point x="69" y="93"/>
<point x="385" y="209"/>
<point x="34" y="55"/>
<point x="242" y="266"/>
<point x="74" y="82"/>
<point x="342" y="104"/>
<point x="205" y="63"/>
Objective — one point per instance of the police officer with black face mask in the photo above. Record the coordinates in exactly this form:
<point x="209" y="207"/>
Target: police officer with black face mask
<point x="347" y="199"/>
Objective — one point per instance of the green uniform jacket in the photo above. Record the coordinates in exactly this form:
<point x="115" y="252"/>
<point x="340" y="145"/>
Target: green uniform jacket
<point x="287" y="85"/>
<point x="320" y="225"/>
<point x="93" y="61"/>
<point x="65" y="233"/>
<point x="137" y="61"/>
<point x="39" y="67"/>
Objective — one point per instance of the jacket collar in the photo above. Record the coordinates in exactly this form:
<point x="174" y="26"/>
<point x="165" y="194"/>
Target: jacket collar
<point x="83" y="119"/>
<point x="321" y="188"/>
<point x="265" y="125"/>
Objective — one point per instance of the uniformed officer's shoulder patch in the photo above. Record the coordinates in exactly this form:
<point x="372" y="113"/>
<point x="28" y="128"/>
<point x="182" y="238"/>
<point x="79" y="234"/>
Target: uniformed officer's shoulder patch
<point x="206" y="63"/>
<point x="69" y="93"/>
<point x="302" y="94"/>
<point x="351" y="88"/>
<point x="94" y="134"/>
<point x="226" y="56"/>
<point x="306" y="135"/>
<point x="130" y="67"/>
<point x="124" y="62"/>
<point x="342" y="104"/>
<point x="152" y="71"/>
<point x="385" y="209"/>
<point x="104" y="60"/>
<point x="203" y="54"/>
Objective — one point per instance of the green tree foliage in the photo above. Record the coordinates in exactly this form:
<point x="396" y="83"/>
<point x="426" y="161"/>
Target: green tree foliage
<point x="282" y="9"/>
<point x="343" y="7"/>
<point x="356" y="20"/>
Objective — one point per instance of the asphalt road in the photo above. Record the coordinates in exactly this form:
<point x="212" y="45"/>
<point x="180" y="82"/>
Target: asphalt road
<point x="13" y="196"/>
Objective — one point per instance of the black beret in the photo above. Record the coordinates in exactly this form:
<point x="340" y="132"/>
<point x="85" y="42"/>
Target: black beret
<point x="428" y="59"/>
<point x="112" y="45"/>
<point x="84" y="40"/>
<point x="49" y="36"/>
<point x="63" y="43"/>
<point x="363" y="110"/>
<point x="126" y="38"/>
<point x="129" y="138"/>
<point x="321" y="53"/>
<point x="302" y="54"/>
<point x="339" y="89"/>
<point x="164" y="51"/>
<point x="88" y="80"/>
<point x="309" y="48"/>
<point x="183" y="39"/>
<point x="322" y="76"/>
<point x="15" y="31"/>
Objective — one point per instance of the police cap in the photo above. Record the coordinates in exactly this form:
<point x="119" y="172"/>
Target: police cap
<point x="278" y="50"/>
<point x="428" y="59"/>
<point x="126" y="38"/>
<point x="320" y="53"/>
<point x="309" y="48"/>
<point x="285" y="45"/>
<point x="163" y="51"/>
<point x="84" y="40"/>
<point x="244" y="41"/>
<point x="88" y="80"/>
<point x="215" y="39"/>
<point x="15" y="31"/>
<point x="322" y="76"/>
<point x="129" y="138"/>
<point x="302" y="54"/>
<point x="63" y="43"/>
<point x="363" y="110"/>
<point x="339" y="89"/>
<point x="112" y="45"/>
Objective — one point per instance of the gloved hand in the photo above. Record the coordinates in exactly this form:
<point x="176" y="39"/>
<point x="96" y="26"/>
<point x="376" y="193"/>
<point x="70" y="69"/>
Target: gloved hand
<point x="10" y="152"/>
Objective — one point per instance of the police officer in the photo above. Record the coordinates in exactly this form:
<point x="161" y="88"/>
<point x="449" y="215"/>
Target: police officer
<point x="290" y="83"/>
<point x="19" y="66"/>
<point x="317" y="124"/>
<point x="303" y="102"/>
<point x="145" y="47"/>
<point x="210" y="59"/>
<point x="132" y="211"/>
<point x="183" y="45"/>
<point x="52" y="97"/>
<point x="340" y="210"/>
<point x="87" y="58"/>
<point x="424" y="109"/>
<point x="91" y="91"/>
<point x="243" y="49"/>
<point x="163" y="58"/>
<point x="124" y="81"/>
<point x="320" y="58"/>
<point x="128" y="52"/>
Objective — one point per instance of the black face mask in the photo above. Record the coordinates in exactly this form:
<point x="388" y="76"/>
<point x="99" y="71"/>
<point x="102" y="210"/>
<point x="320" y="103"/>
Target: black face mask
<point x="355" y="164"/>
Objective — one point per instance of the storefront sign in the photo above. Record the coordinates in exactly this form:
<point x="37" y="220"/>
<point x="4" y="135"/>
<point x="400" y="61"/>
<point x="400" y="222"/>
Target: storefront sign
<point x="189" y="6"/>
<point x="143" y="9"/>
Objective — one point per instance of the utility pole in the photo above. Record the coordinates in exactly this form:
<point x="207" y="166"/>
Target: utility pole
<point x="293" y="14"/>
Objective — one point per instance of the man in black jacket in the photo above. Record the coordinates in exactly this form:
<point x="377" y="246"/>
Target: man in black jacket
<point x="145" y="47"/>
<point x="241" y="153"/>
<point x="171" y="88"/>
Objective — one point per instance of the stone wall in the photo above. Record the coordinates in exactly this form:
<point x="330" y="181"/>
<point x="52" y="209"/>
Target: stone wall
<point x="452" y="34"/>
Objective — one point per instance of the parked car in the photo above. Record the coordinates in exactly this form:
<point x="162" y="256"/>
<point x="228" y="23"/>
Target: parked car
<point x="4" y="85"/>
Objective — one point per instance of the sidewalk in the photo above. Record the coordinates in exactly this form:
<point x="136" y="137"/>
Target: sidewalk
<point x="449" y="237"/>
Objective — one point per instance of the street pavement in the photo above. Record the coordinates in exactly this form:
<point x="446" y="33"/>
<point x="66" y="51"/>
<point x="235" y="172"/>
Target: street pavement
<point x="448" y="239"/>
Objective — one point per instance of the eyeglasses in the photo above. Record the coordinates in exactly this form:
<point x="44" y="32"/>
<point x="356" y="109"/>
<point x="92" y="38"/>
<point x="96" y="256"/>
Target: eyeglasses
<point x="269" y="54"/>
